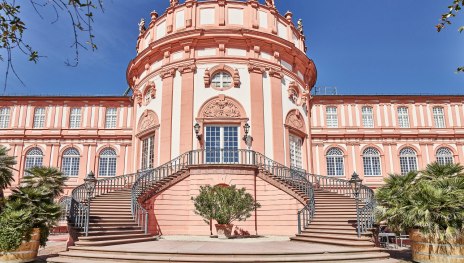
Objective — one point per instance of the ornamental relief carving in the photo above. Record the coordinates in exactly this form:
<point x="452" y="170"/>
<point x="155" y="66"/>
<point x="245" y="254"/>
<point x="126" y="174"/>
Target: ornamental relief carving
<point x="221" y="107"/>
<point x="295" y="120"/>
<point x="148" y="121"/>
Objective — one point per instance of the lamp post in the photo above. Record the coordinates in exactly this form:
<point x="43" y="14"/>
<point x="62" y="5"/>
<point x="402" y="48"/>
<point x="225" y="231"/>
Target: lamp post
<point x="89" y="183"/>
<point x="355" y="183"/>
<point x="197" y="130"/>
<point x="248" y="139"/>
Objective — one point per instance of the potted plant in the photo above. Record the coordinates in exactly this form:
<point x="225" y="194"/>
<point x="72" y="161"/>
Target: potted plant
<point x="225" y="204"/>
<point x="29" y="214"/>
<point x="429" y="205"/>
<point x="6" y="173"/>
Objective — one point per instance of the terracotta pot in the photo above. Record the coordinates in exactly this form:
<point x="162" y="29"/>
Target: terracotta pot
<point x="224" y="231"/>
<point x="426" y="251"/>
<point x="27" y="252"/>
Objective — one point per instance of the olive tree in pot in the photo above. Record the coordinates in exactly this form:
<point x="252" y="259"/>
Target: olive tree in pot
<point x="429" y="205"/>
<point x="225" y="205"/>
<point x="29" y="214"/>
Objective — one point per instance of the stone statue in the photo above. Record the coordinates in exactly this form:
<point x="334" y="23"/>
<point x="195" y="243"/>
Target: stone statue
<point x="174" y="2"/>
<point x="142" y="26"/>
<point x="270" y="3"/>
<point x="300" y="26"/>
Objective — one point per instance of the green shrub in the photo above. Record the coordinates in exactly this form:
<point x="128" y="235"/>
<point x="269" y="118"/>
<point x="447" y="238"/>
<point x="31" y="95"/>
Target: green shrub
<point x="16" y="227"/>
<point x="431" y="200"/>
<point x="224" y="204"/>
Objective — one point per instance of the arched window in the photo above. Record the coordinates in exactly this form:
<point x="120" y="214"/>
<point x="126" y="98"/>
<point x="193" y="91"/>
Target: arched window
<point x="334" y="160"/>
<point x="367" y="117"/>
<point x="70" y="162"/>
<point x="371" y="162"/>
<point x="107" y="162"/>
<point x="221" y="80"/>
<point x="444" y="156"/>
<point x="34" y="158"/>
<point x="408" y="160"/>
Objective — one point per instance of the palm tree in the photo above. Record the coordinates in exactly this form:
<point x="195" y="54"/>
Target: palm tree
<point x="431" y="200"/>
<point x="48" y="177"/>
<point x="6" y="172"/>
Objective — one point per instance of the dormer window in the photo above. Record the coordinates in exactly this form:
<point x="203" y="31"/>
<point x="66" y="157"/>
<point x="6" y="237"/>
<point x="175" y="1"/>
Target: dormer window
<point x="221" y="80"/>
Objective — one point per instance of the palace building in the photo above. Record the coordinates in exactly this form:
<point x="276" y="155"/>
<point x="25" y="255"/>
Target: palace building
<point x="215" y="84"/>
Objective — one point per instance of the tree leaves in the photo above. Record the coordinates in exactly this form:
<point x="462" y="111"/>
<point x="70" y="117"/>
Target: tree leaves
<point x="445" y="20"/>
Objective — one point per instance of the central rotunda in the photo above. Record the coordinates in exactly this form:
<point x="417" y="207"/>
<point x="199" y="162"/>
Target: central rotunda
<point x="219" y="77"/>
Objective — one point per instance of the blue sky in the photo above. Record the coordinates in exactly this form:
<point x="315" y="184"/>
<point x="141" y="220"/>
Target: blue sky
<point x="359" y="46"/>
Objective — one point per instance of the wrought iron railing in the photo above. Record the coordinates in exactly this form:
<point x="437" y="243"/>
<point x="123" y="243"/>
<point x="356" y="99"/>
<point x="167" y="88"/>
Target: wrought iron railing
<point x="65" y="204"/>
<point x="79" y="212"/>
<point x="365" y="197"/>
<point x="296" y="178"/>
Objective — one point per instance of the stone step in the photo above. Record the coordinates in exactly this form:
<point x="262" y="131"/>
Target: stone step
<point x="120" y="223"/>
<point x="334" y="236"/>
<point x="331" y="226"/>
<point x="116" y="232"/>
<point x="113" y="228"/>
<point x="113" y="237"/>
<point x="331" y="231"/>
<point x="115" y="241"/>
<point x="75" y="255"/>
<point x="115" y="199"/>
<point x="338" y="242"/>
<point x="320" y="217"/>
<point x="336" y="213"/>
<point x="333" y="220"/>
<point x="115" y="218"/>
<point x="110" y="213"/>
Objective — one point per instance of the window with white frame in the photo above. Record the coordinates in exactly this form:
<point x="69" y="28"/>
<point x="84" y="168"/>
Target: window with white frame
<point x="148" y="154"/>
<point x="34" y="158"/>
<point x="331" y="117"/>
<point x="334" y="159"/>
<point x="111" y="118"/>
<point x="371" y="162"/>
<point x="445" y="156"/>
<point x="4" y="117"/>
<point x="75" y="118"/>
<point x="39" y="117"/>
<point x="221" y="144"/>
<point x="221" y="80"/>
<point x="107" y="163"/>
<point x="70" y="162"/>
<point x="408" y="160"/>
<point x="403" y="117"/>
<point x="439" y="117"/>
<point x="296" y="144"/>
<point x="367" y="117"/>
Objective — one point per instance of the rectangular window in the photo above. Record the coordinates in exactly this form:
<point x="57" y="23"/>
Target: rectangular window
<point x="180" y="19"/>
<point x="262" y="17"/>
<point x="282" y="30"/>
<point x="221" y="144"/>
<point x="161" y="30"/>
<point x="367" y="117"/>
<point x="439" y="117"/>
<point x="207" y="16"/>
<point x="332" y="118"/>
<point x="4" y="117"/>
<point x="75" y="118"/>
<point x="235" y="16"/>
<point x="403" y="117"/>
<point x="148" y="154"/>
<point x="39" y="117"/>
<point x="111" y="117"/>
<point x="295" y="152"/>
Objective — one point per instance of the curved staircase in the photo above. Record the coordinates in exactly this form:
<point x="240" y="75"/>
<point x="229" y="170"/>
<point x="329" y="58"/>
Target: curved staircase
<point x="118" y="214"/>
<point x="334" y="222"/>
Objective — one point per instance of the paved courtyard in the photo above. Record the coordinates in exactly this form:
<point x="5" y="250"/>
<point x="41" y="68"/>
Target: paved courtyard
<point x="197" y="244"/>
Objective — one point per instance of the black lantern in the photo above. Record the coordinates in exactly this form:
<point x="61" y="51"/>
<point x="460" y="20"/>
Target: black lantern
<point x="90" y="182"/>
<point x="355" y="183"/>
<point x="247" y="138"/>
<point x="197" y="130"/>
<point x="246" y="127"/>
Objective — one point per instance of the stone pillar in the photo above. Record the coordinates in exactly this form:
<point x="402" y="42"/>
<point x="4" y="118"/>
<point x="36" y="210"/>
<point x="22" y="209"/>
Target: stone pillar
<point x="166" y="115"/>
<point x="186" y="107"/>
<point x="257" y="109"/>
<point x="277" y="115"/>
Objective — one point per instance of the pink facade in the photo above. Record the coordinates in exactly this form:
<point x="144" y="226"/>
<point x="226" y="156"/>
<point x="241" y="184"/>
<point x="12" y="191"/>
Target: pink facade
<point x="220" y="65"/>
<point x="43" y="130"/>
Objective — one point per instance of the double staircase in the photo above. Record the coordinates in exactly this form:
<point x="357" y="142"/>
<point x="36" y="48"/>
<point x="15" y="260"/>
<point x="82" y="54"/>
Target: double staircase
<point x="118" y="214"/>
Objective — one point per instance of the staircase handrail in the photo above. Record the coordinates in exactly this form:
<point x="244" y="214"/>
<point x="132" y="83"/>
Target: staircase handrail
<point x="149" y="178"/>
<point x="365" y="212"/>
<point x="79" y="211"/>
